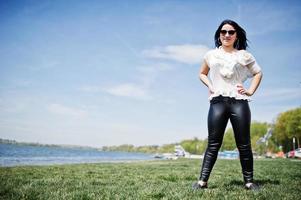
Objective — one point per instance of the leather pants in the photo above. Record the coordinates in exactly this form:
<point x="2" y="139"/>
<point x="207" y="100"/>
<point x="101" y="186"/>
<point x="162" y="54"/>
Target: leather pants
<point x="221" y="110"/>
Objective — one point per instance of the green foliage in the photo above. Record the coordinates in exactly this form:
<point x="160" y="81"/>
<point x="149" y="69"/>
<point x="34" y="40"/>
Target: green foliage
<point x="287" y="127"/>
<point x="228" y="141"/>
<point x="194" y="146"/>
<point x="167" y="148"/>
<point x="257" y="130"/>
<point x="279" y="179"/>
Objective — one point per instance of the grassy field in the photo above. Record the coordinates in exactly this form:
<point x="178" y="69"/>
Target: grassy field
<point x="279" y="179"/>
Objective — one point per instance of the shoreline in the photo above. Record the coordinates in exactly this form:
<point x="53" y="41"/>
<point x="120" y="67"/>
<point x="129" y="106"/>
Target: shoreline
<point x="14" y="155"/>
<point x="80" y="163"/>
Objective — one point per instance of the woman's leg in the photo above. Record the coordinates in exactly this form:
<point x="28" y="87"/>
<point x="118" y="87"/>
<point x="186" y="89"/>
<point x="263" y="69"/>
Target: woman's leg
<point x="217" y="122"/>
<point x="240" y="118"/>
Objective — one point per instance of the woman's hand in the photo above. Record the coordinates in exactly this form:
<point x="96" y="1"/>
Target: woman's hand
<point x="254" y="85"/>
<point x="211" y="90"/>
<point x="243" y="91"/>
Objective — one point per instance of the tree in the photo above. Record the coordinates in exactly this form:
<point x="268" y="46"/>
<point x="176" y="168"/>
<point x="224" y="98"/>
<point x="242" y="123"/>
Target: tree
<point x="194" y="146"/>
<point x="228" y="141"/>
<point x="287" y="127"/>
<point x="258" y="130"/>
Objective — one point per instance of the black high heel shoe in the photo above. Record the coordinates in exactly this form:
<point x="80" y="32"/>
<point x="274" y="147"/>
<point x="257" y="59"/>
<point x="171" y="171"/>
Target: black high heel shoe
<point x="196" y="186"/>
<point x="252" y="186"/>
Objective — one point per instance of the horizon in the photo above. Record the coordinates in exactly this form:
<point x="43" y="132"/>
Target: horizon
<point x="11" y="141"/>
<point x="97" y="73"/>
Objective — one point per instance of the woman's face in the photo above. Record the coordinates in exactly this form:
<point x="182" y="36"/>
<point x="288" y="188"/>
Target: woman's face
<point x="227" y="35"/>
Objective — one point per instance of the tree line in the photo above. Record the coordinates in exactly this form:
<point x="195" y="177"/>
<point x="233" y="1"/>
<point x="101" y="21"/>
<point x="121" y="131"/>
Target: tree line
<point x="286" y="127"/>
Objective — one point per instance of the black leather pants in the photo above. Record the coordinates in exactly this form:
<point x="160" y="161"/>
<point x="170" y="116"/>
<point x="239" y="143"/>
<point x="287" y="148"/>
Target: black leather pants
<point x="221" y="110"/>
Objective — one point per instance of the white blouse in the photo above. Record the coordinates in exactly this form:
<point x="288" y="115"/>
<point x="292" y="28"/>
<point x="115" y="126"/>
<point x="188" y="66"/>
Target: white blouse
<point x="229" y="69"/>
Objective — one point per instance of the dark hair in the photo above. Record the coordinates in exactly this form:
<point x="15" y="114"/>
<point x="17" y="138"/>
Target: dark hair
<point x="240" y="43"/>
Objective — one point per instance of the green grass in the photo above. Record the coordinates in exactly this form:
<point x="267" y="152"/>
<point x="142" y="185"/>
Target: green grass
<point x="279" y="179"/>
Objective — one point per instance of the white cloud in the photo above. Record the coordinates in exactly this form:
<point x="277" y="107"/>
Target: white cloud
<point x="128" y="90"/>
<point x="188" y="53"/>
<point x="148" y="74"/>
<point x="65" y="110"/>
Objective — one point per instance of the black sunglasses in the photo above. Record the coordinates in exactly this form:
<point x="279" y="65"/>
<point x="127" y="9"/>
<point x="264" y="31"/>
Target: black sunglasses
<point x="224" y="32"/>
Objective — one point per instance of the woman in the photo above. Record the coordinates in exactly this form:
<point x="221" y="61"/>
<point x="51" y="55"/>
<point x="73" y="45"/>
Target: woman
<point x="229" y="65"/>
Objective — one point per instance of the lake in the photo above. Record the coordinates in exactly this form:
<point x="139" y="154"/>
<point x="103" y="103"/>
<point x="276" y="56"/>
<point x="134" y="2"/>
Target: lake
<point x="15" y="155"/>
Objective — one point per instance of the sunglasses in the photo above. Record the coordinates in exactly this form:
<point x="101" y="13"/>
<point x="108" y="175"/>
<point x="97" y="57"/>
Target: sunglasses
<point x="224" y="32"/>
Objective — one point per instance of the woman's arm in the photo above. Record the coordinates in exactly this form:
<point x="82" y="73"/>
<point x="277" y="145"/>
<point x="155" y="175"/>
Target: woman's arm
<point x="253" y="87"/>
<point x="204" y="76"/>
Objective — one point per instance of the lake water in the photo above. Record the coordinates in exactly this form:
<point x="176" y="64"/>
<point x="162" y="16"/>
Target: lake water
<point x="14" y="155"/>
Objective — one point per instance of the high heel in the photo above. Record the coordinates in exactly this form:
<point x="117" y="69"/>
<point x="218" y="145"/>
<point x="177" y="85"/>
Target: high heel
<point x="197" y="185"/>
<point x="252" y="186"/>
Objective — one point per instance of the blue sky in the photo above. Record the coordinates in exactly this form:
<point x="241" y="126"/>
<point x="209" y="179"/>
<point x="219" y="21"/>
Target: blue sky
<point x="126" y="72"/>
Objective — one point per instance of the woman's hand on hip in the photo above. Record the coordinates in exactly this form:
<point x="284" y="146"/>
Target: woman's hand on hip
<point x="211" y="90"/>
<point x="242" y="90"/>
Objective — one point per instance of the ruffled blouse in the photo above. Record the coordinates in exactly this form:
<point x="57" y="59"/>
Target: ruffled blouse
<point x="227" y="70"/>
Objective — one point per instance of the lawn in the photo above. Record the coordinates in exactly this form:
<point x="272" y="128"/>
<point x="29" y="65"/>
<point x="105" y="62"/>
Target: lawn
<point x="278" y="178"/>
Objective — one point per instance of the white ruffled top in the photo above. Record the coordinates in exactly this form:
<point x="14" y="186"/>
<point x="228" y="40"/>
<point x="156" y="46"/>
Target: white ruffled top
<point x="227" y="70"/>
